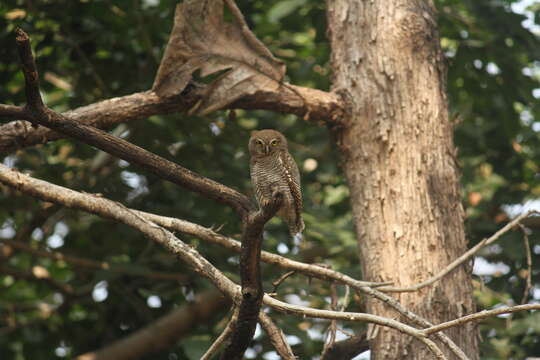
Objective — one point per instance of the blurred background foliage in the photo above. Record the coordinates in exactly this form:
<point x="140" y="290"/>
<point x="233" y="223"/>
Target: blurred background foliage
<point x="92" y="50"/>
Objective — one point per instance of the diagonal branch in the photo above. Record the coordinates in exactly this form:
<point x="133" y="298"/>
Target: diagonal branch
<point x="102" y="265"/>
<point x="465" y="257"/>
<point x="277" y="337"/>
<point x="213" y="237"/>
<point x="115" y="211"/>
<point x="479" y="316"/>
<point x="108" y="113"/>
<point x="119" y="147"/>
<point x="250" y="271"/>
<point x="252" y="291"/>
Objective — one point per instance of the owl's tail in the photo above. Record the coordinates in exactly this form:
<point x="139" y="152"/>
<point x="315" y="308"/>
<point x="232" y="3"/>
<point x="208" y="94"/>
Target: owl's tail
<point x="295" y="229"/>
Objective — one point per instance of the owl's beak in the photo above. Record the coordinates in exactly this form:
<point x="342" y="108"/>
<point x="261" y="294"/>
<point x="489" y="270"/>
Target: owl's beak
<point x="267" y="149"/>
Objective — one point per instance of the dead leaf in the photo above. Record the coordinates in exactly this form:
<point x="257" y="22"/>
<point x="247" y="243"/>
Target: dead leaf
<point x="202" y="40"/>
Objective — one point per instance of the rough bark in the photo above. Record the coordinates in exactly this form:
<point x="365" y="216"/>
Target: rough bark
<point x="399" y="160"/>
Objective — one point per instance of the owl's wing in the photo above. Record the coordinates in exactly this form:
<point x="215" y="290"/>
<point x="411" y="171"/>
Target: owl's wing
<point x="292" y="176"/>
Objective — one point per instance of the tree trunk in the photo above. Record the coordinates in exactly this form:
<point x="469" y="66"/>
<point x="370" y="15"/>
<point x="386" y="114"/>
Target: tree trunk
<point x="399" y="159"/>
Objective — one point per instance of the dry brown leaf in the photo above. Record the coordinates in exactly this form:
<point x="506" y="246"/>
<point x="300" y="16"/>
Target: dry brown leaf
<point x="202" y="40"/>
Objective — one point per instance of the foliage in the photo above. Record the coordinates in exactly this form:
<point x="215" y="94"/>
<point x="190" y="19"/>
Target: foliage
<point x="92" y="50"/>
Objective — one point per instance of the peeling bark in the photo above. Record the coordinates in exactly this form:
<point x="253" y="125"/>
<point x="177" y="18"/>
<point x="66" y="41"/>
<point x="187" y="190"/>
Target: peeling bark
<point x="399" y="159"/>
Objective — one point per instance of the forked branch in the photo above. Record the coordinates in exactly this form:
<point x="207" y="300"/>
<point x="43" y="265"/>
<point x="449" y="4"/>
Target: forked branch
<point x="39" y="114"/>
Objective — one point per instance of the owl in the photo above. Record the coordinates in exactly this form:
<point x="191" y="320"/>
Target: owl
<point x="273" y="168"/>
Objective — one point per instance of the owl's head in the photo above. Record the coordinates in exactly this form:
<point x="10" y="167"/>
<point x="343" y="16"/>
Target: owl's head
<point x="266" y="142"/>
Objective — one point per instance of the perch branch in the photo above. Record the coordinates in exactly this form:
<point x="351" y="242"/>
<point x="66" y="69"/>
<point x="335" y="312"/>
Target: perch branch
<point x="112" y="210"/>
<point x="319" y="272"/>
<point x="117" y="146"/>
<point x="463" y="258"/>
<point x="250" y="273"/>
<point x="479" y="316"/>
<point x="225" y="334"/>
<point x="213" y="237"/>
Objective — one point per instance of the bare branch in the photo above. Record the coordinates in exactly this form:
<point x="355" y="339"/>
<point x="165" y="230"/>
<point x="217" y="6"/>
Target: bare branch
<point x="394" y="304"/>
<point x="277" y="338"/>
<point x="250" y="273"/>
<point x="163" y="332"/>
<point x="104" y="115"/>
<point x="349" y="316"/>
<point x="121" y="148"/>
<point x="527" y="248"/>
<point x="463" y="258"/>
<point x="479" y="316"/>
<point x="222" y="337"/>
<point x="213" y="237"/>
<point x="10" y="111"/>
<point x="186" y="253"/>
<point x="112" y="210"/>
<point x="108" y="113"/>
<point x="31" y="77"/>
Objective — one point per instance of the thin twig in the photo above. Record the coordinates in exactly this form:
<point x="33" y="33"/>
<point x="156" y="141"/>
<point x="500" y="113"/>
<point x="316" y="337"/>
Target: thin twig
<point x="213" y="237"/>
<point x="250" y="278"/>
<point x="277" y="337"/>
<point x="281" y="279"/>
<point x="349" y="316"/>
<point x="225" y="334"/>
<point x="527" y="248"/>
<point x="479" y="316"/>
<point x="331" y="338"/>
<point x="463" y="258"/>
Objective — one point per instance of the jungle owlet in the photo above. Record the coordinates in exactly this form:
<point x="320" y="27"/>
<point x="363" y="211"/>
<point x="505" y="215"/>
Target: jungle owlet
<point x="273" y="168"/>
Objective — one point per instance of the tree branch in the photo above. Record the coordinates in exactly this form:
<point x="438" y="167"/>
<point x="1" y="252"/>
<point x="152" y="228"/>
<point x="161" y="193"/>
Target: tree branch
<point x="213" y="237"/>
<point x="310" y="270"/>
<point x="112" y="210"/>
<point x="277" y="338"/>
<point x="108" y="113"/>
<point x="163" y="332"/>
<point x="250" y="273"/>
<point x="463" y="258"/>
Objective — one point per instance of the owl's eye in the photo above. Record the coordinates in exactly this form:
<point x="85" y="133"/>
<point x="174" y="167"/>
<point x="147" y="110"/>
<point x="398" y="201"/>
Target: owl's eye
<point x="274" y="142"/>
<point x="259" y="142"/>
